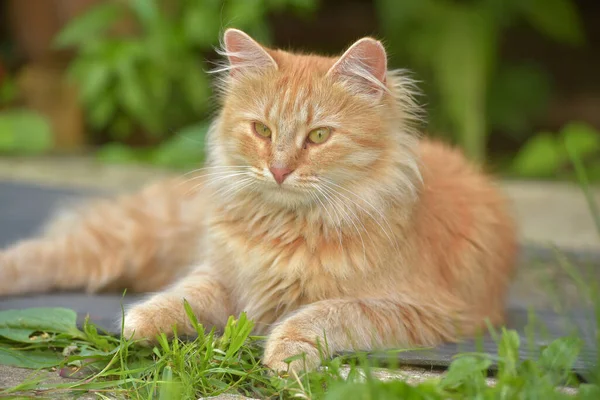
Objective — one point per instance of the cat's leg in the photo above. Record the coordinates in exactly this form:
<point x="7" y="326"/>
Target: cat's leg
<point x="141" y="241"/>
<point x="205" y="293"/>
<point x="352" y="325"/>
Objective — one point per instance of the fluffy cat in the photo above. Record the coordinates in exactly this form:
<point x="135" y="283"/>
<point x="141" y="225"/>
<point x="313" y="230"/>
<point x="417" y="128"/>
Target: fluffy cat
<point x="320" y="213"/>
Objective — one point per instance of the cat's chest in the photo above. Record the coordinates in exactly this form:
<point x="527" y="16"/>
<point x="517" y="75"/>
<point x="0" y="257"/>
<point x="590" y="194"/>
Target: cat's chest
<point x="278" y="265"/>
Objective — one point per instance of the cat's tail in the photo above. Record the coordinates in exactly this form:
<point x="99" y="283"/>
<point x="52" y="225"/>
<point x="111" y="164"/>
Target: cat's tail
<point x="141" y="242"/>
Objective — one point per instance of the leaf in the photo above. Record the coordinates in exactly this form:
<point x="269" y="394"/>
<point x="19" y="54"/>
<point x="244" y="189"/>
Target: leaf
<point x="201" y="25"/>
<point x="170" y="388"/>
<point x="19" y="325"/>
<point x="117" y="153"/>
<point x="540" y="156"/>
<point x="398" y="16"/>
<point x="581" y="138"/>
<point x="518" y="94"/>
<point x="101" y="112"/>
<point x="184" y="150"/>
<point x="465" y="369"/>
<point x="249" y="16"/>
<point x="461" y="65"/>
<point x="24" y="131"/>
<point x="146" y="11"/>
<point x="196" y="87"/>
<point x="508" y="351"/>
<point x="133" y="97"/>
<point x="8" y="90"/>
<point x="94" y="80"/>
<point x="561" y="354"/>
<point x="28" y="359"/>
<point x="557" y="19"/>
<point x="589" y="392"/>
<point x="89" y="26"/>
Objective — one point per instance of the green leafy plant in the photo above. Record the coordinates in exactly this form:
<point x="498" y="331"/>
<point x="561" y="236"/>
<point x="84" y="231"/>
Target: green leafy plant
<point x="546" y="155"/>
<point x="24" y="132"/>
<point x="153" y="79"/>
<point x="454" y="45"/>
<point x="182" y="151"/>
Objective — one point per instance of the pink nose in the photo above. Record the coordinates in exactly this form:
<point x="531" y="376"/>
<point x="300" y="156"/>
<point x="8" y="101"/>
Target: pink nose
<point x="280" y="173"/>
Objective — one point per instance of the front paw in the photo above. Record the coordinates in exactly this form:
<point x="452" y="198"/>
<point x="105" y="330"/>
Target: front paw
<point x="281" y="346"/>
<point x="145" y="322"/>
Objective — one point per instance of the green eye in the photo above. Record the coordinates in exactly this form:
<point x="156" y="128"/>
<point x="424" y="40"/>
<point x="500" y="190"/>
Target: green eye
<point x="262" y="130"/>
<point x="319" y="135"/>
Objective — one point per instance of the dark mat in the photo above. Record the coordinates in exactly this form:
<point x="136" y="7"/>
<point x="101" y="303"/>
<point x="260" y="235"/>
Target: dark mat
<point x="23" y="208"/>
<point x="548" y="326"/>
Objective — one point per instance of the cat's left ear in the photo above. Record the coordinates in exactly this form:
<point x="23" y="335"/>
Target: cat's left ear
<point x="244" y="53"/>
<point x="364" y="64"/>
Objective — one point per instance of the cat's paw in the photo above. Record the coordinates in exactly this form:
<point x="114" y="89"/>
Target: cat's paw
<point x="145" y="322"/>
<point x="8" y="284"/>
<point x="284" y="344"/>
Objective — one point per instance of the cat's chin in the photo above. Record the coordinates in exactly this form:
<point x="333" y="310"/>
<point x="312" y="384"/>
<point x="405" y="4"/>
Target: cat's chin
<point x="286" y="196"/>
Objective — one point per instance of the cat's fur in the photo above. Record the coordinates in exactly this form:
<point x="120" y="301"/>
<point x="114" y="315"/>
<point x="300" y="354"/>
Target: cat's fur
<point x="376" y="240"/>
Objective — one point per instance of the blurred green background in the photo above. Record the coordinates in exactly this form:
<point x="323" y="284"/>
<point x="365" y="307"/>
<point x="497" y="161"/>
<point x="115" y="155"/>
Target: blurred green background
<point x="510" y="81"/>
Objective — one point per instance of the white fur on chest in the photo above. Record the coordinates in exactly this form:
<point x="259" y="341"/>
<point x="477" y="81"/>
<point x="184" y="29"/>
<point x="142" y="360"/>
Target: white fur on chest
<point x="276" y="263"/>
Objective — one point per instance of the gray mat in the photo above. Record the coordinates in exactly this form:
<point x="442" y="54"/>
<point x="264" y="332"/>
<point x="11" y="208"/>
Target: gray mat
<point x="23" y="207"/>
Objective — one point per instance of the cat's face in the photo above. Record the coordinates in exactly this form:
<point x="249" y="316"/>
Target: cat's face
<point x="301" y="127"/>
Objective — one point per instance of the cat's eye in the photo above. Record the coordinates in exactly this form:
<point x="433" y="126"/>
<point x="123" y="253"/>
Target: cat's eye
<point x="319" y="135"/>
<point x="261" y="130"/>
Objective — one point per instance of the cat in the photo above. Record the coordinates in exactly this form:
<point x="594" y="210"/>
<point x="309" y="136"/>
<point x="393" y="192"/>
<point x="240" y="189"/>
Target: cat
<point x="322" y="212"/>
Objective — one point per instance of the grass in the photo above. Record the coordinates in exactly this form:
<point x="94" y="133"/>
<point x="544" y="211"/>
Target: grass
<point x="208" y="365"/>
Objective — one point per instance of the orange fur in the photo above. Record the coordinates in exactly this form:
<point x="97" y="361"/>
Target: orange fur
<point x="377" y="239"/>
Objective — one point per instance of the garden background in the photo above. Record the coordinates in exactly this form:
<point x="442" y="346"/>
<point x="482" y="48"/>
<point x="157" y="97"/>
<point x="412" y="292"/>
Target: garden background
<point x="126" y="81"/>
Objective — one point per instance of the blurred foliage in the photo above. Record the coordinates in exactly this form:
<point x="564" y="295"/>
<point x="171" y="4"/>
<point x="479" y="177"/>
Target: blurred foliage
<point x="183" y="150"/>
<point x="546" y="155"/>
<point x="155" y="80"/>
<point x="15" y="121"/>
<point x="454" y="45"/>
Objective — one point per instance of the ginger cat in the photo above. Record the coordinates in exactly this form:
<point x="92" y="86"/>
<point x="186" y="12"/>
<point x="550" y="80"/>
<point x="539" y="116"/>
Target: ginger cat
<point x="320" y="213"/>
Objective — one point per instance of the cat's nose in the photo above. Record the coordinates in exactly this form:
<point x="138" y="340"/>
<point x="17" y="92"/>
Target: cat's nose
<point x="280" y="173"/>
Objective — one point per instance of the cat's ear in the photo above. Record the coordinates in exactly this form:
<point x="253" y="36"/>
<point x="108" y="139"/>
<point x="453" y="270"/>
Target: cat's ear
<point x="364" y="64"/>
<point x="244" y="53"/>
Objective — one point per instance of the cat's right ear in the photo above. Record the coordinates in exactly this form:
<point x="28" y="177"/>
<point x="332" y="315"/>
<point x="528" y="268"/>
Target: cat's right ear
<point x="244" y="53"/>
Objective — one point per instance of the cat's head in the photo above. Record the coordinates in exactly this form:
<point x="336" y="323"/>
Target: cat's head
<point x="301" y="129"/>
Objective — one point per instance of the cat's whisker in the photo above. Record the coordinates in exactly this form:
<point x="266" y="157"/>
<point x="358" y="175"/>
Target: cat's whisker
<point x="194" y="178"/>
<point x="214" y="167"/>
<point x="210" y="173"/>
<point x="226" y="186"/>
<point x="349" y="218"/>
<point x="243" y="183"/>
<point x="393" y="243"/>
<point x="221" y="177"/>
<point x="344" y="217"/>
<point x="216" y="179"/>
<point x="343" y="204"/>
<point x="385" y="231"/>
<point x="338" y="227"/>
<point x="339" y="217"/>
